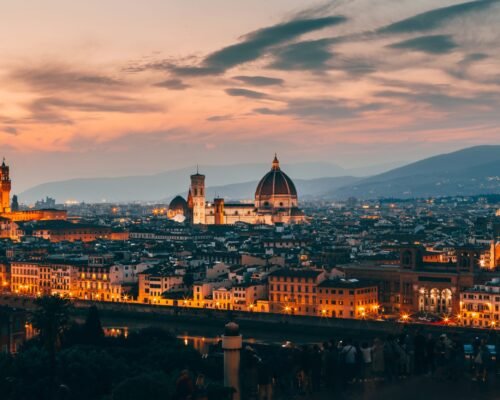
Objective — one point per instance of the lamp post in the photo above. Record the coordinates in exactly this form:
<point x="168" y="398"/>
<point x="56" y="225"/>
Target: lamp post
<point x="232" y="344"/>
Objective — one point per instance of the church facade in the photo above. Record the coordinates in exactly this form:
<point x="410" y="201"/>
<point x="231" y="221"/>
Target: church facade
<point x="276" y="201"/>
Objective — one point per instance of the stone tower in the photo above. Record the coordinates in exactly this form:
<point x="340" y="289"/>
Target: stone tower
<point x="197" y="194"/>
<point x="4" y="188"/>
<point x="219" y="211"/>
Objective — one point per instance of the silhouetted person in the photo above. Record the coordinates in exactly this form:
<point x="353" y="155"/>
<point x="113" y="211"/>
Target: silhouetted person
<point x="184" y="387"/>
<point x="430" y="354"/>
<point x="419" y="351"/>
<point x="265" y="381"/>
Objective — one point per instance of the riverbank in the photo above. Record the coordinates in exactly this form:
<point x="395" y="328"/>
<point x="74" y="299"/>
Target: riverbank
<point x="261" y="326"/>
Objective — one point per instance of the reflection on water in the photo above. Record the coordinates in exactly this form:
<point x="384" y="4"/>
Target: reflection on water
<point x="116" y="331"/>
<point x="200" y="343"/>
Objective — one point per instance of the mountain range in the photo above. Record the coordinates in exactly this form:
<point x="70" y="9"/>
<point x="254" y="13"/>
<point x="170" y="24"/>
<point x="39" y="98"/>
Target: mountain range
<point x="471" y="171"/>
<point x="165" y="185"/>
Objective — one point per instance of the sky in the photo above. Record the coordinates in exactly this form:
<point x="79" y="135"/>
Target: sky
<point x="120" y="87"/>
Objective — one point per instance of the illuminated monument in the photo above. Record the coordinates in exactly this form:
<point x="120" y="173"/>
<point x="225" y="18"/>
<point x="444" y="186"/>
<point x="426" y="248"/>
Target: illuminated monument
<point x="25" y="215"/>
<point x="276" y="201"/>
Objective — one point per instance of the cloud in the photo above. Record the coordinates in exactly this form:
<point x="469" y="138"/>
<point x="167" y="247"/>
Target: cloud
<point x="218" y="118"/>
<point x="307" y="55"/>
<point x="259" y="80"/>
<point x="320" y="109"/>
<point x="58" y="78"/>
<point x="62" y="89"/>
<point x="252" y="94"/>
<point x="254" y="45"/>
<point x="193" y="71"/>
<point x="440" y="101"/>
<point x="433" y="44"/>
<point x="53" y="110"/>
<point x="172" y="84"/>
<point x="10" y="130"/>
<point x="433" y="19"/>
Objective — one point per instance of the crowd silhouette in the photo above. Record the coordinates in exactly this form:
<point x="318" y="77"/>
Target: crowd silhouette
<point x="341" y="365"/>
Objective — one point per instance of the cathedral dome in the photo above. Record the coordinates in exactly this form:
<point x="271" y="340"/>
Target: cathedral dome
<point x="276" y="189"/>
<point x="178" y="206"/>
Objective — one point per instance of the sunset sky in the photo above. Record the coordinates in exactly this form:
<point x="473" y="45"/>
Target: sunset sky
<point x="118" y="87"/>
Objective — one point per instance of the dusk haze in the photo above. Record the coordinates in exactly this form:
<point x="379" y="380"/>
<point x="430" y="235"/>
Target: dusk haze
<point x="250" y="200"/>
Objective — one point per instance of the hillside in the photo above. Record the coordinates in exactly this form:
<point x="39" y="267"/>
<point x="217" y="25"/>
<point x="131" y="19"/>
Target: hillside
<point x="167" y="184"/>
<point x="306" y="188"/>
<point x="471" y="171"/>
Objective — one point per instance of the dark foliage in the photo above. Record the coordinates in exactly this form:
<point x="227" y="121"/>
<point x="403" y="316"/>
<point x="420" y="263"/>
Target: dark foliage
<point x="144" y="365"/>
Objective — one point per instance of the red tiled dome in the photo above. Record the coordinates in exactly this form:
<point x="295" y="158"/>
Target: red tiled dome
<point x="275" y="182"/>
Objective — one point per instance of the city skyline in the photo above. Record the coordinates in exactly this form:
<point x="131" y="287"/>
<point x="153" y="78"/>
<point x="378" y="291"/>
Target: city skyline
<point x="124" y="89"/>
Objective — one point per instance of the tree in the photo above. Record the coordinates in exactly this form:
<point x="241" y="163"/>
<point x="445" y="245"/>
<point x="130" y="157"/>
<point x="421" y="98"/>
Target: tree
<point x="92" y="329"/>
<point x="188" y="279"/>
<point x="51" y="318"/>
<point x="146" y="386"/>
<point x="15" y="203"/>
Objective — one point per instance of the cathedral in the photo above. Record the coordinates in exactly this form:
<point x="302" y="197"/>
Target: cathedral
<point x="276" y="201"/>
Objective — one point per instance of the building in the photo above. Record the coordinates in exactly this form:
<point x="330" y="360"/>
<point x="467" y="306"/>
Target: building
<point x="293" y="291"/>
<point x="23" y="215"/>
<point x="25" y="277"/>
<point x="4" y="276"/>
<point x="94" y="283"/>
<point x="154" y="282"/>
<point x="347" y="298"/>
<point x="480" y="306"/>
<point x="494" y="258"/>
<point x="13" y="329"/>
<point x="59" y="231"/>
<point x="9" y="229"/>
<point x="275" y="201"/>
<point x="412" y="286"/>
<point x="5" y="185"/>
<point x="246" y="295"/>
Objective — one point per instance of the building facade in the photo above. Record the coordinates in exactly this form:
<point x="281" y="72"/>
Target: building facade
<point x="24" y="215"/>
<point x="275" y="201"/>
<point x="480" y="306"/>
<point x="413" y="286"/>
<point x="347" y="298"/>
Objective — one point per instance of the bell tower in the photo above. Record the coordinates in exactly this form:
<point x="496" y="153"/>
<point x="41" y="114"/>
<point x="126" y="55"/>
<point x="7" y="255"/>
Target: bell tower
<point x="219" y="211"/>
<point x="197" y="192"/>
<point x="4" y="188"/>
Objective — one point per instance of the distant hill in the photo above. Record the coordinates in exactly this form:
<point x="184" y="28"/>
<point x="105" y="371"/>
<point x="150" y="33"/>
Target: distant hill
<point x="471" y="171"/>
<point x="168" y="184"/>
<point x="306" y="188"/>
